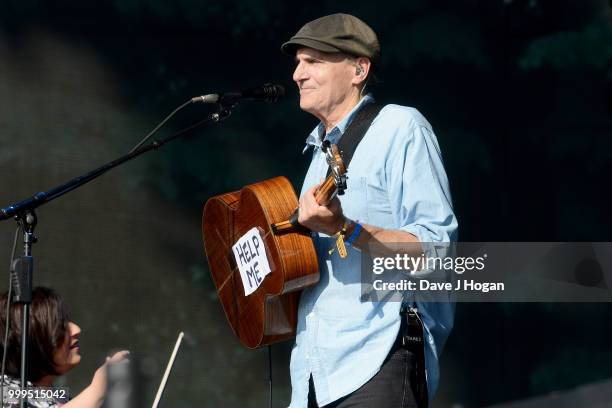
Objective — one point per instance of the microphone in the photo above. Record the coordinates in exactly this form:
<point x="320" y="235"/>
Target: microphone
<point x="267" y="93"/>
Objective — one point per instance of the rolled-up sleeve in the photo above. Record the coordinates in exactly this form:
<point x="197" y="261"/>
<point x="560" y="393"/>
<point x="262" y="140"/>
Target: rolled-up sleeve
<point x="417" y="184"/>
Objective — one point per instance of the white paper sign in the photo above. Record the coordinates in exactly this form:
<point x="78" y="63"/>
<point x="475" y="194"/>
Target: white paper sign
<point x="250" y="254"/>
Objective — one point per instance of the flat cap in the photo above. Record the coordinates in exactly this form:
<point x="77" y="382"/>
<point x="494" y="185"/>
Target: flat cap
<point x="336" y="33"/>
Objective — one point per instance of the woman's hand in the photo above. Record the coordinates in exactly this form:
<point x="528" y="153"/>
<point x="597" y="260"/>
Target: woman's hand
<point x="93" y="395"/>
<point x="99" y="378"/>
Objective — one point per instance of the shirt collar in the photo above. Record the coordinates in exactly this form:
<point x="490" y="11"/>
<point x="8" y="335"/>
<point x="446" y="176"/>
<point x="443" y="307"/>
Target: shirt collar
<point x="316" y="137"/>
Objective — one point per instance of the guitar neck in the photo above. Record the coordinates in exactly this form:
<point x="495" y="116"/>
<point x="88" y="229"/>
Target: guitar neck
<point x="326" y="191"/>
<point x="323" y="195"/>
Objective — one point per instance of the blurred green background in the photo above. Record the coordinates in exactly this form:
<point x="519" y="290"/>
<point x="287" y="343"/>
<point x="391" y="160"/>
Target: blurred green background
<point x="520" y="97"/>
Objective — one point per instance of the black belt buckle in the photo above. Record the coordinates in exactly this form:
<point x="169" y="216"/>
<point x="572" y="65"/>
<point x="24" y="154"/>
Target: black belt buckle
<point x="412" y="329"/>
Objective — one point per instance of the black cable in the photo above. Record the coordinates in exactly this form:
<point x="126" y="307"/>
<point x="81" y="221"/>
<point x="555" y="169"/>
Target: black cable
<point x="270" y="372"/>
<point x="8" y="309"/>
<point x="156" y="128"/>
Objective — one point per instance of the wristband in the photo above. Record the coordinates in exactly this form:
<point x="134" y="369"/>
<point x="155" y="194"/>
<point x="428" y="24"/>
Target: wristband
<point x="351" y="240"/>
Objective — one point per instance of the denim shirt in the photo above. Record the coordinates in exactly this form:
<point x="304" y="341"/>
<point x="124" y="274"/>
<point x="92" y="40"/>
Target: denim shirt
<point x="396" y="180"/>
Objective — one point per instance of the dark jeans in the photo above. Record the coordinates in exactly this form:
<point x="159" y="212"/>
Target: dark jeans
<point x="400" y="383"/>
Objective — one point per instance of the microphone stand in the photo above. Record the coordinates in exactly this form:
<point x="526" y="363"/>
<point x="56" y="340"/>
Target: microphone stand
<point x="23" y="212"/>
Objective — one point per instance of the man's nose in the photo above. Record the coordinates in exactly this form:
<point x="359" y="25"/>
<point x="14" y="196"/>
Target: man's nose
<point x="300" y="73"/>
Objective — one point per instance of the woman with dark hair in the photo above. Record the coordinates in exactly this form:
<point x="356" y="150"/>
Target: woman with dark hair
<point x="53" y="350"/>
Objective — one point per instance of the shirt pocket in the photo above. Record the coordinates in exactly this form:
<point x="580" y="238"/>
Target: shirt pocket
<point x="379" y="208"/>
<point x="354" y="200"/>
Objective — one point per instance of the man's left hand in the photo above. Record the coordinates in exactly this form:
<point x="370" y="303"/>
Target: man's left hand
<point x="327" y="219"/>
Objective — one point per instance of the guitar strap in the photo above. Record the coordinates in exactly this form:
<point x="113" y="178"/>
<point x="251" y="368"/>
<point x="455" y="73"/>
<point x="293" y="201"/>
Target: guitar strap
<point x="356" y="131"/>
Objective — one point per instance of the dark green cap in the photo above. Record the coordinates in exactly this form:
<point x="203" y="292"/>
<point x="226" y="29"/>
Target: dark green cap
<point x="336" y="33"/>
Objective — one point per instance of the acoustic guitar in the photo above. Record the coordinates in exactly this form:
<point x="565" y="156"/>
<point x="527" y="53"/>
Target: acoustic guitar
<point x="242" y="228"/>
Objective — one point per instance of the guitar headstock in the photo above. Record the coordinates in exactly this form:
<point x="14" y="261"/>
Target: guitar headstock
<point x="338" y="169"/>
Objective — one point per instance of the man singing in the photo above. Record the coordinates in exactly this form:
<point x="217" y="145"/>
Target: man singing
<point x="349" y="351"/>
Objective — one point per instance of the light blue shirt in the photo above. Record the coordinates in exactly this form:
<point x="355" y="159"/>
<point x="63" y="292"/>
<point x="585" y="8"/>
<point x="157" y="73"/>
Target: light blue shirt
<point x="396" y="180"/>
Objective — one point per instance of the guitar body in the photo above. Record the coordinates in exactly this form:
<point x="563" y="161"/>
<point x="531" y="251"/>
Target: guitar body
<point x="269" y="314"/>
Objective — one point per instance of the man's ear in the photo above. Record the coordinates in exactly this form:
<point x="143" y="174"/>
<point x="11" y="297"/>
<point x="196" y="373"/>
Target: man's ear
<point x="362" y="69"/>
